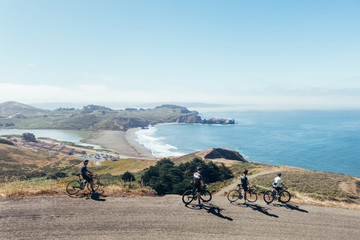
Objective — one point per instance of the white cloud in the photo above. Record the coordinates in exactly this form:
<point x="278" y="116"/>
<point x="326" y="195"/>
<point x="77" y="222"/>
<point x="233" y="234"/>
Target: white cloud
<point x="261" y="99"/>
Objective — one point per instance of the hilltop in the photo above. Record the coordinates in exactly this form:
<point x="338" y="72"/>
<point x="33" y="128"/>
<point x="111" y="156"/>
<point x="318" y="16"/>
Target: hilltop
<point x="95" y="117"/>
<point x="221" y="155"/>
<point x="13" y="109"/>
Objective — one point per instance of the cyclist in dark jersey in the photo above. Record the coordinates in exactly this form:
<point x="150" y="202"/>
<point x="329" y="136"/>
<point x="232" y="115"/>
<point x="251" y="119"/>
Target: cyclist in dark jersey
<point x="87" y="175"/>
<point x="244" y="183"/>
<point x="198" y="183"/>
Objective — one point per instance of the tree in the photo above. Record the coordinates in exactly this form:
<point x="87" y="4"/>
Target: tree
<point x="165" y="177"/>
<point x="128" y="177"/>
<point x="29" y="137"/>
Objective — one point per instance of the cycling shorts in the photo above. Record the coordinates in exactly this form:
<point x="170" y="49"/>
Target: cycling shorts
<point x="198" y="187"/>
<point x="89" y="179"/>
<point x="245" y="187"/>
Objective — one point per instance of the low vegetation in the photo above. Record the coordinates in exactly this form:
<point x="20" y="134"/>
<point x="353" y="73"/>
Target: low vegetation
<point x="318" y="185"/>
<point x="166" y="177"/>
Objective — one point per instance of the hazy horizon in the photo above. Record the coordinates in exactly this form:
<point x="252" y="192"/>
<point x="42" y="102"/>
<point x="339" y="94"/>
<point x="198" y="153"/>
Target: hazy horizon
<point x="262" y="55"/>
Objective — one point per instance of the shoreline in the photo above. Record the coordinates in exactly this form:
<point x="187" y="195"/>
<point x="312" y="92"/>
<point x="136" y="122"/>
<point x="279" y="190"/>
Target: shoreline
<point x="122" y="142"/>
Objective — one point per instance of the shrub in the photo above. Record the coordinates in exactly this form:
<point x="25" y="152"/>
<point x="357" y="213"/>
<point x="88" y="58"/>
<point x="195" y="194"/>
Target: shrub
<point x="57" y="175"/>
<point x="166" y="178"/>
<point x="4" y="141"/>
<point x="128" y="177"/>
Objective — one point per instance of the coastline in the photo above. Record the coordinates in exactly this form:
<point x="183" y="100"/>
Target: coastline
<point x="121" y="142"/>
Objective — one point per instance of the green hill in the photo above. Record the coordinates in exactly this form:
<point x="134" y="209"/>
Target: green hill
<point x="14" y="109"/>
<point x="92" y="117"/>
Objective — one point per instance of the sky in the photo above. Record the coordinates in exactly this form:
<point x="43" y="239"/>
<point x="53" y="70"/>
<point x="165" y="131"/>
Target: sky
<point x="259" y="54"/>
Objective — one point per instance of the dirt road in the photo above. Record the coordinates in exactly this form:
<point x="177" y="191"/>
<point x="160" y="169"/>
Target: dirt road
<point x="168" y="218"/>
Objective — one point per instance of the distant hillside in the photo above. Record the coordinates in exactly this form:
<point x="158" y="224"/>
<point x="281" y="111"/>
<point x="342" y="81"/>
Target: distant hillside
<point x="95" y="117"/>
<point x="14" y="109"/>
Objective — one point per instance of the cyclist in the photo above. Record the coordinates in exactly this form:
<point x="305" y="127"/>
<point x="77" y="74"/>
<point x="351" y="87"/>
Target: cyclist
<point x="244" y="184"/>
<point x="277" y="182"/>
<point x="87" y="175"/>
<point x="198" y="183"/>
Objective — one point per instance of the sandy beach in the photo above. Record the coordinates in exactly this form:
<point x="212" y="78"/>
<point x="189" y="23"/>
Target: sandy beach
<point x="121" y="142"/>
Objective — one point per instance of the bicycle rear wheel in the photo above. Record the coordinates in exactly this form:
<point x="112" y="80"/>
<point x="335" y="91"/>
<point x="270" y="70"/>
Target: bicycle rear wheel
<point x="233" y="195"/>
<point x="73" y="187"/>
<point x="188" y="196"/>
<point x="285" y="196"/>
<point x="206" y="196"/>
<point x="268" y="196"/>
<point x="251" y="196"/>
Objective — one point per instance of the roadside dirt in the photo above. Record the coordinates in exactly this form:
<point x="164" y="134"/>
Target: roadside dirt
<point x="168" y="218"/>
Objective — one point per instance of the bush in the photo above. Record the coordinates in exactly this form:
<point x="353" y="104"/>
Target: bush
<point x="4" y="141"/>
<point x="167" y="178"/>
<point x="128" y="177"/>
<point x="29" y="137"/>
<point x="57" y="175"/>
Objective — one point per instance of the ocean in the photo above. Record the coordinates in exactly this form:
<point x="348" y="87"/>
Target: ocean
<point x="316" y="140"/>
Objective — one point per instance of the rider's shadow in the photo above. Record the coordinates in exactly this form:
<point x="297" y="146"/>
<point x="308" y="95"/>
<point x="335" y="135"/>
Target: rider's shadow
<point x="256" y="207"/>
<point x="210" y="208"/>
<point x="291" y="207"/>
<point x="88" y="195"/>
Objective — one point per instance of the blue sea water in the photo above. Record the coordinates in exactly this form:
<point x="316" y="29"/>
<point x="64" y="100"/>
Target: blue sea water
<point x="315" y="140"/>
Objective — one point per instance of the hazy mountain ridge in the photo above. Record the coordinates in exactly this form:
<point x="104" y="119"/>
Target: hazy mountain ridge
<point x="95" y="117"/>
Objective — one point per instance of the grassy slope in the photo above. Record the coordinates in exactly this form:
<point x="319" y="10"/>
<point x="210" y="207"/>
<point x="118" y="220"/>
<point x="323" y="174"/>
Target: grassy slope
<point x="28" y="173"/>
<point x="303" y="184"/>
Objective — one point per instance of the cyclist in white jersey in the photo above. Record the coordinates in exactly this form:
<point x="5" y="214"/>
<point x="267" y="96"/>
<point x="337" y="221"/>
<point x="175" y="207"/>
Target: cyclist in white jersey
<point x="278" y="183"/>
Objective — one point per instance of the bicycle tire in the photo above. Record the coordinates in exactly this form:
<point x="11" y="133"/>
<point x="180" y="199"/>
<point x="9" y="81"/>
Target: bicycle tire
<point x="73" y="187"/>
<point x="96" y="185"/>
<point x="233" y="195"/>
<point x="188" y="196"/>
<point x="268" y="196"/>
<point x="285" y="196"/>
<point x="206" y="196"/>
<point x="251" y="196"/>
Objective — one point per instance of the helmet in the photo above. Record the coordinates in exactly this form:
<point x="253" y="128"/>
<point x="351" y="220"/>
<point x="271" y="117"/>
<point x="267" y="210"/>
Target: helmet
<point x="86" y="161"/>
<point x="245" y="171"/>
<point x="199" y="168"/>
<point x="279" y="174"/>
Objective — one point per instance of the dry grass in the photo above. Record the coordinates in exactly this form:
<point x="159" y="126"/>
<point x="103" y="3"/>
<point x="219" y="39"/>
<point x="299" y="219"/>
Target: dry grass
<point x="122" y="165"/>
<point x="318" y="188"/>
<point x="31" y="188"/>
<point x="19" y="189"/>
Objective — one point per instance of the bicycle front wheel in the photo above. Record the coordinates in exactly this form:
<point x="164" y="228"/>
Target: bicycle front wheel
<point x="233" y="195"/>
<point x="73" y="187"/>
<point x="268" y="196"/>
<point x="251" y="196"/>
<point x="285" y="197"/>
<point x="206" y="196"/>
<point x="96" y="185"/>
<point x="188" y="197"/>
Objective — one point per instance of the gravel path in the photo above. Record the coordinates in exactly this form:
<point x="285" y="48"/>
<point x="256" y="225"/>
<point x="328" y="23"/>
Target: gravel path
<point x="168" y="218"/>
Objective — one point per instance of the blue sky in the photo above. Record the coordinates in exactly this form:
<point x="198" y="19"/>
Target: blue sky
<point x="255" y="54"/>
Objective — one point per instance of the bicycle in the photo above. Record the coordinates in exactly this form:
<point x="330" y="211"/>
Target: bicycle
<point x="236" y="194"/>
<point x="74" y="186"/>
<point x="283" y="196"/>
<point x="190" y="195"/>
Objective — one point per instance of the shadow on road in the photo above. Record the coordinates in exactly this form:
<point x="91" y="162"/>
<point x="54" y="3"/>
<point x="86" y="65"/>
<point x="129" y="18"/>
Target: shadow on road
<point x="256" y="207"/>
<point x="291" y="207"/>
<point x="88" y="195"/>
<point x="210" y="208"/>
